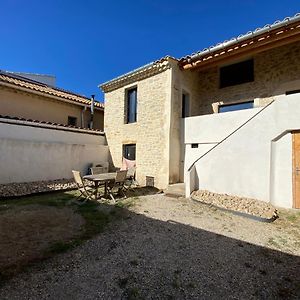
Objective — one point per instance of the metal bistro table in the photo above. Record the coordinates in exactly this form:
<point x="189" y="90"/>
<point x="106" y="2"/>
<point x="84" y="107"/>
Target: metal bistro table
<point x="101" y="178"/>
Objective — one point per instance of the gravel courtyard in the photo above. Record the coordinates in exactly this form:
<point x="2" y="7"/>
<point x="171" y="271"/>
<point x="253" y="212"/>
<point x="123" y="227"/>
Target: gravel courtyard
<point x="167" y="248"/>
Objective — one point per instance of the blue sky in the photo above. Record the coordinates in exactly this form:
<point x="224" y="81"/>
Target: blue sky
<point x="84" y="43"/>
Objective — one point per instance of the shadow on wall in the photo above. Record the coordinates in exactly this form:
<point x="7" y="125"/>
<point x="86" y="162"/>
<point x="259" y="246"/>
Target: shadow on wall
<point x="149" y="258"/>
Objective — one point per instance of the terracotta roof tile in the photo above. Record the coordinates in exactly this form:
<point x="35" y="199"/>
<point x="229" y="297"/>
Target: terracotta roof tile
<point x="23" y="82"/>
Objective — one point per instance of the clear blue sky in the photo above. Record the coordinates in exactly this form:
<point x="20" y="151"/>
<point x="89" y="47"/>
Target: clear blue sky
<point x="84" y="43"/>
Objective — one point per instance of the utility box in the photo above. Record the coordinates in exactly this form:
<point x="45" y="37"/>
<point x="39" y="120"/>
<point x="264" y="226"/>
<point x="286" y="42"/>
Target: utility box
<point x="150" y="181"/>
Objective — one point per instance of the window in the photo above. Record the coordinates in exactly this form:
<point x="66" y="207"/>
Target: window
<point x="129" y="151"/>
<point x="236" y="106"/>
<point x="72" y="121"/>
<point x="238" y="73"/>
<point x="292" y="92"/>
<point x="185" y="105"/>
<point x="131" y="105"/>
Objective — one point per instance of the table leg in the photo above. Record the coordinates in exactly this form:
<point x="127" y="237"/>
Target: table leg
<point x="105" y="189"/>
<point x="96" y="189"/>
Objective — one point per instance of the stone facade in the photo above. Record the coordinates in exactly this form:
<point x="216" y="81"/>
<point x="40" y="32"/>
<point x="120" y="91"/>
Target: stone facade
<point x="151" y="131"/>
<point x="159" y="130"/>
<point x="272" y="69"/>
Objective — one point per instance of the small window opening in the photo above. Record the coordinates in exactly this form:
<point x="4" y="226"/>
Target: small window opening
<point x="238" y="73"/>
<point x="236" y="106"/>
<point x="72" y="121"/>
<point x="129" y="151"/>
<point x="292" y="92"/>
<point x="185" y="105"/>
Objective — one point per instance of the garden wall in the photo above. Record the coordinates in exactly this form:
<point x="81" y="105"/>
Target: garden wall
<point x="31" y="151"/>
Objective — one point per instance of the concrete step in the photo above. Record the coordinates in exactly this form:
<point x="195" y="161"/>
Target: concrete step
<point x="175" y="190"/>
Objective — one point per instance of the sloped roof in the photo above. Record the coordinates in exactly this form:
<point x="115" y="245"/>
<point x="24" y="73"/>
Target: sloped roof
<point x="22" y="82"/>
<point x="273" y="32"/>
<point x="268" y="34"/>
<point x="143" y="72"/>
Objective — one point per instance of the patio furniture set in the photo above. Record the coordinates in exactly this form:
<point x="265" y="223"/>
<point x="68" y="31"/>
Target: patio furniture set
<point x="114" y="183"/>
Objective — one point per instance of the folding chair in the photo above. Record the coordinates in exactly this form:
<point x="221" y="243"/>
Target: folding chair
<point x="130" y="179"/>
<point x="85" y="191"/>
<point x="118" y="185"/>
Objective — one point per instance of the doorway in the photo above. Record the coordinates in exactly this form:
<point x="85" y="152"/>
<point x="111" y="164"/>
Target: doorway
<point x="185" y="112"/>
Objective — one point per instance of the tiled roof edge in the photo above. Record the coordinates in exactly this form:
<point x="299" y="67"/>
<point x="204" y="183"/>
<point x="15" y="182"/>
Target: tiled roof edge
<point x="143" y="72"/>
<point x="242" y="37"/>
<point x="31" y="81"/>
<point x="47" y="125"/>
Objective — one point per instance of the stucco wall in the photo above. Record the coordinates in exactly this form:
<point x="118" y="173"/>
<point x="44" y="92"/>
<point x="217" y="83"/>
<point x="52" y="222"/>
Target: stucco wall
<point x="241" y="165"/>
<point x="35" y="107"/>
<point x="151" y="131"/>
<point x="272" y="69"/>
<point x="33" y="154"/>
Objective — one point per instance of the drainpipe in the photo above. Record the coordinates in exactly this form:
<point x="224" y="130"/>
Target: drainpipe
<point x="92" y="111"/>
<point x="82" y="116"/>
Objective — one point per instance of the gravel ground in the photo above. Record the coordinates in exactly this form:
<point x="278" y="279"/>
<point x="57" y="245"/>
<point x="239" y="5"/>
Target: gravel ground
<point x="241" y="204"/>
<point x="168" y="248"/>
<point x="27" y="188"/>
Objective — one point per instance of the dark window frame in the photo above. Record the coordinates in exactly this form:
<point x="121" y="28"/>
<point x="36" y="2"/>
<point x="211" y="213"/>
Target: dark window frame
<point x="231" y="104"/>
<point x="185" y="105"/>
<point x="126" y="150"/>
<point x="130" y="117"/>
<point x="236" y="73"/>
<point x="72" y="121"/>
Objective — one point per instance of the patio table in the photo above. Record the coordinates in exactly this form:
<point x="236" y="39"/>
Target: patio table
<point x="101" y="178"/>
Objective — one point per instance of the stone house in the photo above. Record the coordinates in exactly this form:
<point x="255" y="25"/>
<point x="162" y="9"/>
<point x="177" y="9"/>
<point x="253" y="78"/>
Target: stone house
<point x="224" y="119"/>
<point x="29" y="98"/>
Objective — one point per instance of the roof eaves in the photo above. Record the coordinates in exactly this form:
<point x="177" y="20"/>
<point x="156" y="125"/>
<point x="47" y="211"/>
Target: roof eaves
<point x="143" y="72"/>
<point x="239" y="39"/>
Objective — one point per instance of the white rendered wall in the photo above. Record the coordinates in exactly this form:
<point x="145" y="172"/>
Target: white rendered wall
<point x="281" y="171"/>
<point x="241" y="165"/>
<point x="208" y="130"/>
<point x="34" y="154"/>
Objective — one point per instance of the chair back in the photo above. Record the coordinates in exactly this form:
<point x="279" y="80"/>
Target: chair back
<point x="121" y="176"/>
<point x="77" y="178"/>
<point x="98" y="170"/>
<point x="131" y="172"/>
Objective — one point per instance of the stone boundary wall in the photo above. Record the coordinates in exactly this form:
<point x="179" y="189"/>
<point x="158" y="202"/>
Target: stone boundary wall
<point x="29" y="153"/>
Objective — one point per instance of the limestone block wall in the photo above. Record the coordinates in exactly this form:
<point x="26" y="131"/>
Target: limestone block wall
<point x="272" y="70"/>
<point x="151" y="131"/>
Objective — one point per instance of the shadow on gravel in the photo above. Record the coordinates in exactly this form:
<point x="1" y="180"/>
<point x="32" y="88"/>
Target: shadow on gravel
<point x="144" y="258"/>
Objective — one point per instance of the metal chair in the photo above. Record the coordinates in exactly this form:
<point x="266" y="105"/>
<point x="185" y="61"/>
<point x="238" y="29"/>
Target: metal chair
<point x="117" y="186"/>
<point x="85" y="191"/>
